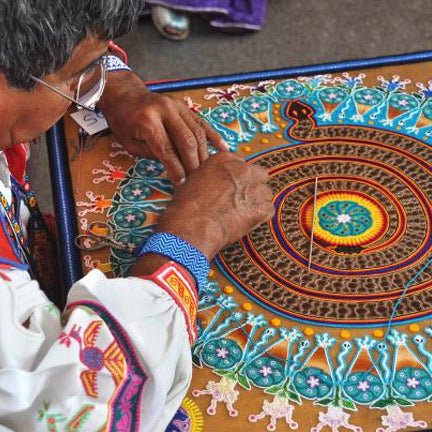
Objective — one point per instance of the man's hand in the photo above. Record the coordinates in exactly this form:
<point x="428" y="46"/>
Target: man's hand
<point x="220" y="202"/>
<point x="156" y="126"/>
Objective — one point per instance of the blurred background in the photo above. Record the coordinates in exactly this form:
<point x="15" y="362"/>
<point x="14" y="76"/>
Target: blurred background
<point x="297" y="32"/>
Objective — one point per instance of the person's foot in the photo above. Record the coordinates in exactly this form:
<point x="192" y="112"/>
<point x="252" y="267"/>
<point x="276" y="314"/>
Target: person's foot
<point x="172" y="24"/>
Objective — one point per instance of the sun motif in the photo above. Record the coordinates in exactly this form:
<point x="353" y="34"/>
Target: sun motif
<point x="344" y="219"/>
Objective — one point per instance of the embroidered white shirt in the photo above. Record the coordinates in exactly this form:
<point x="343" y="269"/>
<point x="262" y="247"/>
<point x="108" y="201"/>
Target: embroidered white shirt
<point x="118" y="358"/>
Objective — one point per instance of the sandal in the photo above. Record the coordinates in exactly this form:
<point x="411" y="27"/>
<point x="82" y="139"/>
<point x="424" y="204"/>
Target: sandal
<point x="171" y="24"/>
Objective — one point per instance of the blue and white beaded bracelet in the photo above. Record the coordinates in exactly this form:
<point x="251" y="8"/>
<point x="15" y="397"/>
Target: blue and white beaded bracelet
<point x="180" y="251"/>
<point x="113" y="63"/>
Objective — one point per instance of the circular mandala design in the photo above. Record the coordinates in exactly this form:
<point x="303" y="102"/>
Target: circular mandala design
<point x="344" y="219"/>
<point x="372" y="232"/>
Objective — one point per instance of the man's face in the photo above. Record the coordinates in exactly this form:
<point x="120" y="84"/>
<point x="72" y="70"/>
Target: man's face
<point x="36" y="111"/>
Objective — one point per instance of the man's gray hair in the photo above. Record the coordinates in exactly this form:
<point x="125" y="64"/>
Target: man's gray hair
<point x="37" y="37"/>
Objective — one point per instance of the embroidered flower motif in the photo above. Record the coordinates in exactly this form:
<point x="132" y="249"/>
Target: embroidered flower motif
<point x="148" y="168"/>
<point x="368" y="97"/>
<point x="413" y="383"/>
<point x="224" y="114"/>
<point x="289" y="89"/>
<point x="129" y="217"/>
<point x="313" y="383"/>
<point x="135" y="191"/>
<point x="265" y="372"/>
<point x="403" y="101"/>
<point x="363" y="387"/>
<point x="255" y="105"/>
<point x="221" y="353"/>
<point x="332" y="95"/>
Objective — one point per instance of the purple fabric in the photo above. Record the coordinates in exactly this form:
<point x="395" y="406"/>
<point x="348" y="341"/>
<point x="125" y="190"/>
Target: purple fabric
<point x="248" y="14"/>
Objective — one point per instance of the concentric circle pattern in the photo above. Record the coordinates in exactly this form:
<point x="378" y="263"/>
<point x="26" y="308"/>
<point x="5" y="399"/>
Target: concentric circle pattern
<point x="372" y="225"/>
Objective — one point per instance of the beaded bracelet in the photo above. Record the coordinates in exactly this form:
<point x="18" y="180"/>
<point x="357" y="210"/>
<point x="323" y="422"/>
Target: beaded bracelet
<point x="180" y="251"/>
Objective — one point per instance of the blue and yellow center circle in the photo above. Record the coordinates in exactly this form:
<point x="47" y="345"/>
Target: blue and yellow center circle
<point x="344" y="218"/>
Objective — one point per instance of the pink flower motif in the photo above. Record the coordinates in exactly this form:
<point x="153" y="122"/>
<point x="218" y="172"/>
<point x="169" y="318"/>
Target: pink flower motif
<point x="363" y="386"/>
<point x="221" y="352"/>
<point x="313" y="381"/>
<point x="137" y="192"/>
<point x="265" y="371"/>
<point x="130" y="217"/>
<point x="412" y="382"/>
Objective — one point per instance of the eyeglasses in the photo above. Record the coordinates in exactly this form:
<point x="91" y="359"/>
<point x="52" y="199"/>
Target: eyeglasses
<point x="90" y="86"/>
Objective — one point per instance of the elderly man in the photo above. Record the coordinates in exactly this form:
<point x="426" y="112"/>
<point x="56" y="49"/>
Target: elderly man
<point x="119" y="358"/>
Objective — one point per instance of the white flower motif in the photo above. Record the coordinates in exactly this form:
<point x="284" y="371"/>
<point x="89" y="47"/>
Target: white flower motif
<point x="130" y="217"/>
<point x="222" y="352"/>
<point x="265" y="371"/>
<point x="363" y="386"/>
<point x="224" y="115"/>
<point x="412" y="382"/>
<point x="313" y="381"/>
<point x="137" y="192"/>
<point x="343" y="218"/>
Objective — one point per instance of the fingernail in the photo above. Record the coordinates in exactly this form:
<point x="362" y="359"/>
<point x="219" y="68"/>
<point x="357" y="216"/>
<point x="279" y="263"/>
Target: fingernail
<point x="182" y="181"/>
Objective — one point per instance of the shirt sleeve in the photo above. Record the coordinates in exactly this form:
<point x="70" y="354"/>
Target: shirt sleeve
<point x="118" y="359"/>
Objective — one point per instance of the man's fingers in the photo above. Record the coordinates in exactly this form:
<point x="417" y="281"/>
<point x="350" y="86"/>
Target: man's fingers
<point x="165" y="151"/>
<point x="213" y="137"/>
<point x="184" y="141"/>
<point x="199" y="132"/>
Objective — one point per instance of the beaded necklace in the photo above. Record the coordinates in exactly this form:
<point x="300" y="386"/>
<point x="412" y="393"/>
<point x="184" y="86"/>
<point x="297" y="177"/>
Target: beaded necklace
<point x="37" y="251"/>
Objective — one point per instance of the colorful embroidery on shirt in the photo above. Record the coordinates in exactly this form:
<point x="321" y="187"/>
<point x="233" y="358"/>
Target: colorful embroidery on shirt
<point x="94" y="358"/>
<point x="75" y="424"/>
<point x="188" y="418"/>
<point x="122" y="362"/>
<point x="170" y="278"/>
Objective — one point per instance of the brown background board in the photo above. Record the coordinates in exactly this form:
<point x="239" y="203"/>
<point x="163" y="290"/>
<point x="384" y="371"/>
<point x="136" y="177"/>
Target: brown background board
<point x="250" y="402"/>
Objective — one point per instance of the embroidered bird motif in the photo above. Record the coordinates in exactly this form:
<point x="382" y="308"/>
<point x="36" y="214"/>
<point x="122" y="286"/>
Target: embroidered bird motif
<point x="94" y="358"/>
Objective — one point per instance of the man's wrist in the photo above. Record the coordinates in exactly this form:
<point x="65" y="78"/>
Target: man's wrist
<point x="179" y="250"/>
